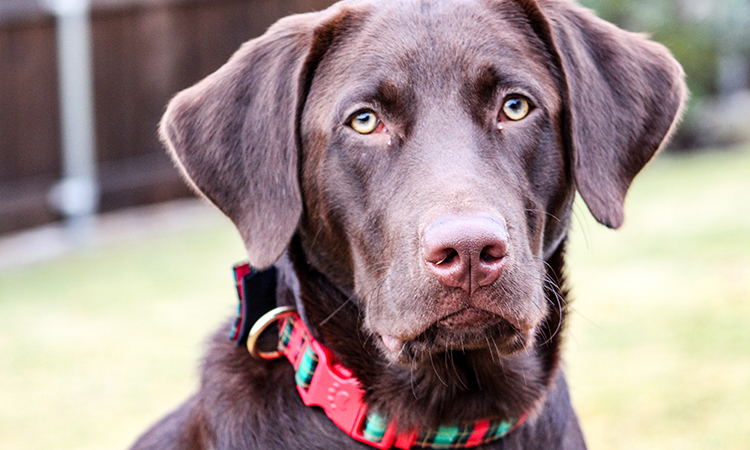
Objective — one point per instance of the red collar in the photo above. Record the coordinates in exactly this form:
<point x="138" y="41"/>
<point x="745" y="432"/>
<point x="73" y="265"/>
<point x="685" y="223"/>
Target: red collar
<point x="322" y="381"/>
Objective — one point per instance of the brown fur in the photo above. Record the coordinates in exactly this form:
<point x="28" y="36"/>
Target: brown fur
<point x="266" y="139"/>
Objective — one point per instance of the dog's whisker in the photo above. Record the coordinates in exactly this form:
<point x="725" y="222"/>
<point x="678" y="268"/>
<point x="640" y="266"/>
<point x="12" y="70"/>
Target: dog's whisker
<point x="336" y="311"/>
<point x="436" y="372"/>
<point x="545" y="213"/>
<point x="489" y="347"/>
<point x="315" y="238"/>
<point x="351" y="297"/>
<point x="451" y="363"/>
<point x="579" y="214"/>
<point x="412" y="382"/>
<point x="476" y="374"/>
<point x="400" y="352"/>
<point x="553" y="288"/>
<point x="550" y="271"/>
<point x="446" y="355"/>
<point x="553" y="296"/>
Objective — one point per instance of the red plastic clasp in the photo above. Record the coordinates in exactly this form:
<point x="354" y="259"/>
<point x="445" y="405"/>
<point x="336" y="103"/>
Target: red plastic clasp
<point x="337" y="391"/>
<point x="334" y="389"/>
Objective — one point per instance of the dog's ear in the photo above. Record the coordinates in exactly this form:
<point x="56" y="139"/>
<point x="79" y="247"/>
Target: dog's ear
<point x="234" y="134"/>
<point x="622" y="93"/>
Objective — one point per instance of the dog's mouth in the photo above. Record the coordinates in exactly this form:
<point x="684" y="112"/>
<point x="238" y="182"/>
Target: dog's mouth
<point x="465" y="330"/>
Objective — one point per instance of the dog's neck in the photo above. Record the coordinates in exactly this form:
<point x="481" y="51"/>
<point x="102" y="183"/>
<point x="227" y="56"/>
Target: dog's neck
<point x="453" y="386"/>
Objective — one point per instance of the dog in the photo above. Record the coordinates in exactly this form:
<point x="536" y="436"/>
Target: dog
<point x="408" y="167"/>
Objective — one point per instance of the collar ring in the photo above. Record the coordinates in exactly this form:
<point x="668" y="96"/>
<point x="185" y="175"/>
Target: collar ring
<point x="260" y="326"/>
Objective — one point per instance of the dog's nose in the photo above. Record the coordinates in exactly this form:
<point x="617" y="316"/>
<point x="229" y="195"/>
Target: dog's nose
<point x="465" y="252"/>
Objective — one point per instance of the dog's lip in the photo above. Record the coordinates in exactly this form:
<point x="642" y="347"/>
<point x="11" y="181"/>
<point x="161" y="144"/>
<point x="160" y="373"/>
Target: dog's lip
<point x="468" y="319"/>
<point x="465" y="325"/>
<point x="392" y="343"/>
<point x="465" y="329"/>
<point x="501" y="338"/>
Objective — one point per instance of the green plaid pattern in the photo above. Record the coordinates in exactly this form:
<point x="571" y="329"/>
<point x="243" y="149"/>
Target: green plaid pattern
<point x="457" y="436"/>
<point x="497" y="430"/>
<point x="444" y="436"/>
<point x="286" y="334"/>
<point x="306" y="368"/>
<point x="374" y="427"/>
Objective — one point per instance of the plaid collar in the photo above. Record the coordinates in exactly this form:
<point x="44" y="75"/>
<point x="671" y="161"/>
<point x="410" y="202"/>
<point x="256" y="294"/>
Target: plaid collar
<point x="322" y="381"/>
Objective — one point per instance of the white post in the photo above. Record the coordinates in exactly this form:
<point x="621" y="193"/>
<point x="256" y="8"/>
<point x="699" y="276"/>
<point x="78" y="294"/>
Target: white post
<point x="77" y="194"/>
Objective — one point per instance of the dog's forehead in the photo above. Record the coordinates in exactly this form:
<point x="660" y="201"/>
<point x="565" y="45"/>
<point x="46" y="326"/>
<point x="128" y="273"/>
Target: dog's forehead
<point x="432" y="45"/>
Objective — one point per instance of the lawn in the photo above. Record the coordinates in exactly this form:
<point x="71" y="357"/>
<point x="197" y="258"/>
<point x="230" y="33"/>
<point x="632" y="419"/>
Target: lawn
<point x="96" y="345"/>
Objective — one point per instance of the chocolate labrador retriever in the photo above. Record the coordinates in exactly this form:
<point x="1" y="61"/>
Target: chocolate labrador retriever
<point x="409" y="167"/>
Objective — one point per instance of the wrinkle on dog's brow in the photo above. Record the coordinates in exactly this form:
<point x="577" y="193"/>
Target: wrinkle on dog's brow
<point x="397" y="99"/>
<point x="400" y="103"/>
<point x="480" y="94"/>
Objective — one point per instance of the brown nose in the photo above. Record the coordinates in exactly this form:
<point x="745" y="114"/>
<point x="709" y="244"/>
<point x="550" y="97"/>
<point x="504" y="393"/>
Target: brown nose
<point x="465" y="252"/>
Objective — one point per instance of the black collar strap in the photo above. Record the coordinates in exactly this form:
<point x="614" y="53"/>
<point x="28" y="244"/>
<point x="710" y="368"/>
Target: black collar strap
<point x="257" y="293"/>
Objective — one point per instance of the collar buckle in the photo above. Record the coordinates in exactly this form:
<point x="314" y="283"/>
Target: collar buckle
<point x="334" y="389"/>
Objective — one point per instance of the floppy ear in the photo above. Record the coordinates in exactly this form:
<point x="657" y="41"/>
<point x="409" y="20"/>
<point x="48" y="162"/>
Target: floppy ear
<point x="623" y="94"/>
<point x="234" y="136"/>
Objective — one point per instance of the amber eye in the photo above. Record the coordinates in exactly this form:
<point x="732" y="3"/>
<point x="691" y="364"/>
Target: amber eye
<point x="516" y="108"/>
<point x="364" y="122"/>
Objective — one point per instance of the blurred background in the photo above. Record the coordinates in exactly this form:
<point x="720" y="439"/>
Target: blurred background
<point x="112" y="274"/>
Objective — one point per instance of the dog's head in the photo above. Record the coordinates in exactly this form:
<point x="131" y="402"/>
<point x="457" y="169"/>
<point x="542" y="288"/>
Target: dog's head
<point x="427" y="153"/>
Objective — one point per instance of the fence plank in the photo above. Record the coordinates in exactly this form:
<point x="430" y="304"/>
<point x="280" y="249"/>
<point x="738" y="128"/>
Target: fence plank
<point x="144" y="52"/>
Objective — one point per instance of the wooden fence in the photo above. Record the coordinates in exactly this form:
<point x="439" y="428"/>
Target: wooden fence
<point x="144" y="51"/>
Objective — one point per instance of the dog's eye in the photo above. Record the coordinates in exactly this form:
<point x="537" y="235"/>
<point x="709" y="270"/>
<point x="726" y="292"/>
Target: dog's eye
<point x="364" y="122"/>
<point x="516" y="108"/>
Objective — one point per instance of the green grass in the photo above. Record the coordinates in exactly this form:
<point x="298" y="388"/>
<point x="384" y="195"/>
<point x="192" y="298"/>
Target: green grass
<point x="659" y="346"/>
<point x="96" y="346"/>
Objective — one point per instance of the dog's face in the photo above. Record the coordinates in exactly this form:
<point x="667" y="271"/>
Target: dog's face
<point x="427" y="153"/>
<point x="433" y="171"/>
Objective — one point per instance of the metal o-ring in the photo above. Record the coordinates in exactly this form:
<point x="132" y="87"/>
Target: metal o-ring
<point x="260" y="326"/>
